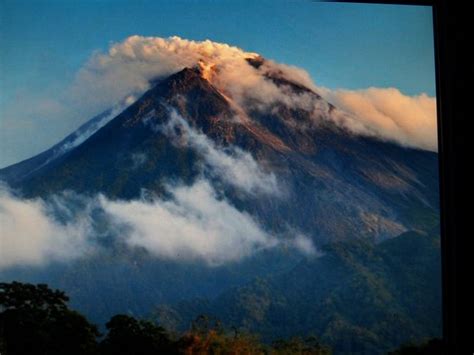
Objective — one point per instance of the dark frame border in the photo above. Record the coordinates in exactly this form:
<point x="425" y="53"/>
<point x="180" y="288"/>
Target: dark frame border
<point x="451" y="46"/>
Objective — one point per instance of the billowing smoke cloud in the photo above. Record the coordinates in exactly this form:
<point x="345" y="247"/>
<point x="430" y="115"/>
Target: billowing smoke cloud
<point x="233" y="165"/>
<point x="195" y="224"/>
<point x="130" y="65"/>
<point x="389" y="114"/>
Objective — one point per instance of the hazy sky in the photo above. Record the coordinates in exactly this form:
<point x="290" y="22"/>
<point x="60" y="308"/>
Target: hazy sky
<point x="44" y="43"/>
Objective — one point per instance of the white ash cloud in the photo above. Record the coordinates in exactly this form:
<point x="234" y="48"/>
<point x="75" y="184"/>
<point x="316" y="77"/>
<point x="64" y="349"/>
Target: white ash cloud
<point x="128" y="67"/>
<point x="233" y="165"/>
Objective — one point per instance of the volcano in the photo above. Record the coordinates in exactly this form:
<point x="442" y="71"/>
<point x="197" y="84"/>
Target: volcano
<point x="340" y="184"/>
<point x="368" y="210"/>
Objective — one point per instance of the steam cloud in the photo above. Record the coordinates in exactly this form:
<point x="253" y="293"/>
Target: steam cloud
<point x="194" y="224"/>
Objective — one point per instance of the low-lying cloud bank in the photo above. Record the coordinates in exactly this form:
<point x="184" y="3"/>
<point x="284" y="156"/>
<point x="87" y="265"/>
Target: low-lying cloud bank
<point x="30" y="236"/>
<point x="195" y="224"/>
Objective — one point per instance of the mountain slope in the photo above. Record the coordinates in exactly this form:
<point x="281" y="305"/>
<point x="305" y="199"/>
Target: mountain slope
<point x="354" y="297"/>
<point x="24" y="169"/>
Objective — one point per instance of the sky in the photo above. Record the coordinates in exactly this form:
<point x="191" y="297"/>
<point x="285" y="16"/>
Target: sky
<point x="43" y="45"/>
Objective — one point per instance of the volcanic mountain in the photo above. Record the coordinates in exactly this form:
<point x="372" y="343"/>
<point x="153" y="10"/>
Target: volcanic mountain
<point x="361" y="200"/>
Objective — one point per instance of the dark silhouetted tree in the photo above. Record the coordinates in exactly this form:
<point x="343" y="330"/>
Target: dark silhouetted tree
<point x="127" y="335"/>
<point x="36" y="320"/>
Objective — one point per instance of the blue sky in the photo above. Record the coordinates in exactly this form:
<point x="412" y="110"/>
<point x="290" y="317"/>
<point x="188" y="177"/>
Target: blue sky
<point x="44" y="43"/>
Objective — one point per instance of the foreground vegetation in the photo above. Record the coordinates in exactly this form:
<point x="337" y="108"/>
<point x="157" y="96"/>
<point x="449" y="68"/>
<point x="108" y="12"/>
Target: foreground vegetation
<point x="37" y="320"/>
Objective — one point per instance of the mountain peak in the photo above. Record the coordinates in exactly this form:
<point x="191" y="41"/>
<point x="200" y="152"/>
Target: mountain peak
<point x="189" y="85"/>
<point x="188" y="73"/>
<point x="184" y="77"/>
<point x="203" y="70"/>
